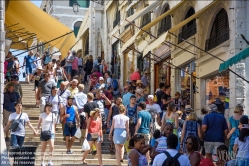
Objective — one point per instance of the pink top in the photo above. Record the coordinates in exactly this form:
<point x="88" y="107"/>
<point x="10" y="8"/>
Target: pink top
<point x="75" y="63"/>
<point x="135" y="76"/>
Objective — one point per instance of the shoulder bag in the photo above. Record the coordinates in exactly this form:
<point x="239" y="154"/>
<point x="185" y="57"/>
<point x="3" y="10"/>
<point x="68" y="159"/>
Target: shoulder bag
<point x="15" y="123"/>
<point x="46" y="135"/>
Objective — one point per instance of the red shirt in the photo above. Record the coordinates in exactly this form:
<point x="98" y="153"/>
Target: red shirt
<point x="135" y="76"/>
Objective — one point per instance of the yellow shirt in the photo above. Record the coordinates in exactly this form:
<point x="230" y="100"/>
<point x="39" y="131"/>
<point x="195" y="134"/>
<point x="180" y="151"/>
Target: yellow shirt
<point x="73" y="91"/>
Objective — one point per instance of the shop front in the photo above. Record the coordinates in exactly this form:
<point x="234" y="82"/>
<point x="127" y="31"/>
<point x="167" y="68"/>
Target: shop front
<point x="217" y="86"/>
<point x="129" y="64"/>
<point x="186" y="85"/>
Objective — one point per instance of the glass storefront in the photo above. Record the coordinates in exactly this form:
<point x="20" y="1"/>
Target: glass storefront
<point x="163" y="70"/>
<point x="187" y="79"/>
<point x="218" y="87"/>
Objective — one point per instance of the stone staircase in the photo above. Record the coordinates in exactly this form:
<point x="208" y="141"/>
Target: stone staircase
<point x="60" y="158"/>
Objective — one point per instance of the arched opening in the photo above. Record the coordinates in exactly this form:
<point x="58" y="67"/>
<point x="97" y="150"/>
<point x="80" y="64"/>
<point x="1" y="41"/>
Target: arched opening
<point x="117" y="17"/>
<point x="165" y="24"/>
<point x="76" y="27"/>
<point x="189" y="29"/>
<point x="219" y="32"/>
<point x="146" y="19"/>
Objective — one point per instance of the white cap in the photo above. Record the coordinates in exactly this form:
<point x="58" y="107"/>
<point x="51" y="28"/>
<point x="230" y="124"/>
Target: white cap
<point x="101" y="78"/>
<point x="150" y="97"/>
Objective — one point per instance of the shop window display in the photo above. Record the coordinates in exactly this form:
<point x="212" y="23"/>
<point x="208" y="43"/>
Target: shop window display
<point x="185" y="76"/>
<point x="218" y="87"/>
<point x="164" y="73"/>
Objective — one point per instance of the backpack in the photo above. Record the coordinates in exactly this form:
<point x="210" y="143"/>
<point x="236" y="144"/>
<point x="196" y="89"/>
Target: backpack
<point x="191" y="128"/>
<point x="10" y="66"/>
<point x="63" y="62"/>
<point x="115" y="84"/>
<point x="171" y="161"/>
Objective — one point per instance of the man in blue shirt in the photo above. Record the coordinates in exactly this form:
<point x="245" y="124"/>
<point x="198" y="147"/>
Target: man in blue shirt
<point x="127" y="96"/>
<point x="143" y="124"/>
<point x="29" y="60"/>
<point x="214" y="127"/>
<point x="10" y="98"/>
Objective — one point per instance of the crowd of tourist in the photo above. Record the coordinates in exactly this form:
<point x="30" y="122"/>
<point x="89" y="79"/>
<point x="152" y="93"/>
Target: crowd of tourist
<point x="150" y="129"/>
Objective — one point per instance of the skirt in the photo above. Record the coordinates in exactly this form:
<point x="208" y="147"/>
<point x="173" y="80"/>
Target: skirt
<point x="119" y="136"/>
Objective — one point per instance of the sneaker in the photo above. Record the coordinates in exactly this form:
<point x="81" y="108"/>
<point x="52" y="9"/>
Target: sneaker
<point x="69" y="152"/>
<point x="50" y="164"/>
<point x="42" y="164"/>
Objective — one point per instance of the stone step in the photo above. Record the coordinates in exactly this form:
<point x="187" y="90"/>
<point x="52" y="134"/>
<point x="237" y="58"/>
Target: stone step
<point x="70" y="160"/>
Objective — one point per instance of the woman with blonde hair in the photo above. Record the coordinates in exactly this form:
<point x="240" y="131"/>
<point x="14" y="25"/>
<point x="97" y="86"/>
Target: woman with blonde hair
<point x="94" y="134"/>
<point x="49" y="69"/>
<point x="120" y="123"/>
<point x="170" y="117"/>
<point x="190" y="127"/>
<point x="233" y="123"/>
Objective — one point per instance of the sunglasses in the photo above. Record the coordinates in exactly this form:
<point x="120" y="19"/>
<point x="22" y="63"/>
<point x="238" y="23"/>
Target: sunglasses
<point x="188" y="143"/>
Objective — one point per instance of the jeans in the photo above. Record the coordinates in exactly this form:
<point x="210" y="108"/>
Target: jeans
<point x="241" y="161"/>
<point x="16" y="140"/>
<point x="106" y="116"/>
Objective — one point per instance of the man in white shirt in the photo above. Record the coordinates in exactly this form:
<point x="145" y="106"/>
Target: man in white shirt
<point x="80" y="99"/>
<point x="18" y="134"/>
<point x="172" y="142"/>
<point x="63" y="92"/>
<point x="154" y="107"/>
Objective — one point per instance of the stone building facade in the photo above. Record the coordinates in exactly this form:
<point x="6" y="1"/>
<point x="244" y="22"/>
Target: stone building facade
<point x="190" y="66"/>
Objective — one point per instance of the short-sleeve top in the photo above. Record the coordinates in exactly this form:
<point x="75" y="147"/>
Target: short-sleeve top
<point x="120" y="121"/>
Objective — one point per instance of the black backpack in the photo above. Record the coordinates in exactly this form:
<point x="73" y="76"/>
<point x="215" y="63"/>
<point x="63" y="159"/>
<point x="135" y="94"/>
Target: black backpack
<point x="171" y="161"/>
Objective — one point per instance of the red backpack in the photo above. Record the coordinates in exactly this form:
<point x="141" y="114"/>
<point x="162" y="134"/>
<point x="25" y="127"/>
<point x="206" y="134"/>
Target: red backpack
<point x="204" y="161"/>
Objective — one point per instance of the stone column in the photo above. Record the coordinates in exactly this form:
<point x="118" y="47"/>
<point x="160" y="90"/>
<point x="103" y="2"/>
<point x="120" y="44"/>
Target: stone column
<point x="3" y="149"/>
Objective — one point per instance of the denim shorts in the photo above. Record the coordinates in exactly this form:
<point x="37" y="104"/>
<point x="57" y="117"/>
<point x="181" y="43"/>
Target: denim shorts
<point x="69" y="69"/>
<point x="52" y="137"/>
<point x="69" y="131"/>
<point x="89" y="138"/>
<point x="29" y="70"/>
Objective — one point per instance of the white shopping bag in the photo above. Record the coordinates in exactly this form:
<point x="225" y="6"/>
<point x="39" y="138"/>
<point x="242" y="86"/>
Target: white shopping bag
<point x="78" y="133"/>
<point x="85" y="145"/>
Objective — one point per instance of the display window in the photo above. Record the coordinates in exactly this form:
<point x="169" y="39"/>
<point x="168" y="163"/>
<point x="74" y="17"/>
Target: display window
<point x="218" y="87"/>
<point x="186" y="74"/>
<point x="162" y="73"/>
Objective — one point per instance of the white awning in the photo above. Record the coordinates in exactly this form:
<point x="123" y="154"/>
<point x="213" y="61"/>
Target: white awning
<point x="134" y="2"/>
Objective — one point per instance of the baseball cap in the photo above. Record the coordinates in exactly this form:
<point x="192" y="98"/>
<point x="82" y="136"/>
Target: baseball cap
<point x="101" y="78"/>
<point x="213" y="107"/>
<point x="150" y="97"/>
<point x="188" y="108"/>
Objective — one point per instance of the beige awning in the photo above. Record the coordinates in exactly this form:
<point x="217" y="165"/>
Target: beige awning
<point x="158" y="19"/>
<point x="128" y="43"/>
<point x="140" y="13"/>
<point x="156" y="43"/>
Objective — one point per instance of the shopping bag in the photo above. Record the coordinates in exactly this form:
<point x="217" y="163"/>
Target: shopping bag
<point x="78" y="133"/>
<point x="85" y="145"/>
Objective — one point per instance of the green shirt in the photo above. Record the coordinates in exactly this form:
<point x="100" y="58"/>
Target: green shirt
<point x="145" y="122"/>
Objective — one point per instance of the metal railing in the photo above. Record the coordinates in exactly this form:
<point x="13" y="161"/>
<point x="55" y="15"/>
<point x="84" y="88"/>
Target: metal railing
<point x="186" y="33"/>
<point x="165" y="26"/>
<point x="216" y="40"/>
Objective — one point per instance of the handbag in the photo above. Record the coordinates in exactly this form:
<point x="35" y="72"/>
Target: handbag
<point x="46" y="135"/>
<point x="15" y="123"/>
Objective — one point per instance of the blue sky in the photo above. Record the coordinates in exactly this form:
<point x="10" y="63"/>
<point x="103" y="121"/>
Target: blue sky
<point x="36" y="2"/>
<point x="21" y="57"/>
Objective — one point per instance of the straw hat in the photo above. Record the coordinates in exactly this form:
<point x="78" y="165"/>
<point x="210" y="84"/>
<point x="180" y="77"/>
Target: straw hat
<point x="94" y="111"/>
<point x="39" y="68"/>
<point x="188" y="108"/>
<point x="139" y="82"/>
<point x="140" y="91"/>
